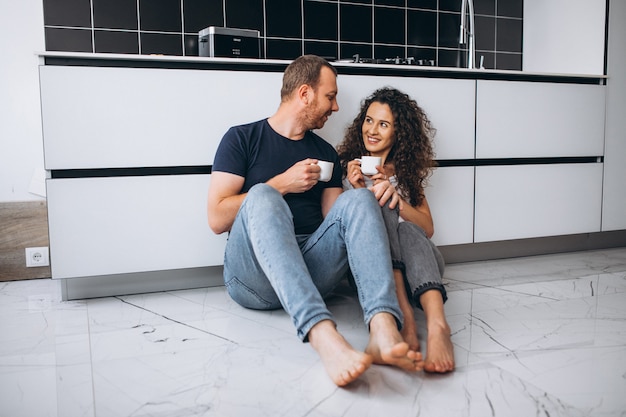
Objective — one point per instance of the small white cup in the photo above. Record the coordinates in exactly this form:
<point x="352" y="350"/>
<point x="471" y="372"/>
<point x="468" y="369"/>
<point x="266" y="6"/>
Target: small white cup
<point x="326" y="172"/>
<point x="369" y="164"/>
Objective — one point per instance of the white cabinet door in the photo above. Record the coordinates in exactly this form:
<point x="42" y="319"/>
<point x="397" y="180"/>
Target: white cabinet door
<point x="97" y="117"/>
<point x="527" y="119"/>
<point x="448" y="103"/>
<point x="102" y="226"/>
<point x="450" y="195"/>
<point x="524" y="201"/>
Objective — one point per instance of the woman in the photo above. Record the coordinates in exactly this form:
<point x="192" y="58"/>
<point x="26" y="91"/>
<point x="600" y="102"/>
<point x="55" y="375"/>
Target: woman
<point x="392" y="126"/>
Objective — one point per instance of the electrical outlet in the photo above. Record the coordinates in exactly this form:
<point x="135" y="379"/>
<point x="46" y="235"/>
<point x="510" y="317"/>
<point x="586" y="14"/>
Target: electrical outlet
<point x="37" y="257"/>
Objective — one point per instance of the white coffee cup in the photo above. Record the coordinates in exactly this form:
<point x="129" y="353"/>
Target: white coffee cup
<point x="326" y="172"/>
<point x="369" y="164"/>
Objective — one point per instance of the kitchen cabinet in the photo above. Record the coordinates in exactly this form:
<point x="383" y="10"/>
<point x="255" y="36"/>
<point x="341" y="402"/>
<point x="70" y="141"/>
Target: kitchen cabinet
<point x="115" y="225"/>
<point x="450" y="195"/>
<point x="95" y="117"/>
<point x="129" y="150"/>
<point x="535" y="119"/>
<point x="526" y="201"/>
<point x="532" y="139"/>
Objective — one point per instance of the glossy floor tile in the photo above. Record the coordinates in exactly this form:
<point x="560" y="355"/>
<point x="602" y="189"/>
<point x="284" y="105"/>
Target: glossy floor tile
<point x="537" y="336"/>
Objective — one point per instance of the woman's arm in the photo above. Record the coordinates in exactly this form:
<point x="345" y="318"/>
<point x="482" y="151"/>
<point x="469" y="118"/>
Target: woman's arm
<point x="419" y="215"/>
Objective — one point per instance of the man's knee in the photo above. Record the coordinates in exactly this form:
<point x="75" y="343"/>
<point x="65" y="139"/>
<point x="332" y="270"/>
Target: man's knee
<point x="263" y="200"/>
<point x="264" y="195"/>
<point x="359" y="197"/>
<point x="263" y="191"/>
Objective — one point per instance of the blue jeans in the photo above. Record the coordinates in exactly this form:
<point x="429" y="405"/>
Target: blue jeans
<point x="267" y="266"/>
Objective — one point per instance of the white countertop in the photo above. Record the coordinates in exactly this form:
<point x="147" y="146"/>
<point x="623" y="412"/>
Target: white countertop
<point x="207" y="60"/>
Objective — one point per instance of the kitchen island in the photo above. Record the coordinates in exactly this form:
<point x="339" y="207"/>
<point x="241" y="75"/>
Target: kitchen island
<point x="129" y="143"/>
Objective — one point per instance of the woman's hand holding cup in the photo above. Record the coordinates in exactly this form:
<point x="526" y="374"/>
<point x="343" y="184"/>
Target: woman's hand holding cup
<point x="380" y="175"/>
<point x="354" y="175"/>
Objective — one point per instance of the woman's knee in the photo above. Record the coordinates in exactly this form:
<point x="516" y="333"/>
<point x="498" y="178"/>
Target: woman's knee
<point x="391" y="215"/>
<point x="411" y="234"/>
<point x="414" y="231"/>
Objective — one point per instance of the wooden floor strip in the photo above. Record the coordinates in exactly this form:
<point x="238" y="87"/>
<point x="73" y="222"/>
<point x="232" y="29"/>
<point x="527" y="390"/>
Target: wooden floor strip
<point x="23" y="225"/>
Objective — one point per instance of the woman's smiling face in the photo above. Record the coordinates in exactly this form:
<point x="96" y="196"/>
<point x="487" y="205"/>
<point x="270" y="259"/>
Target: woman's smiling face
<point x="378" y="130"/>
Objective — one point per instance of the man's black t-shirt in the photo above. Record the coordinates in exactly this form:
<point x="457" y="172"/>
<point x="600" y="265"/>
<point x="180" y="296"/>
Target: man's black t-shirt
<point x="257" y="153"/>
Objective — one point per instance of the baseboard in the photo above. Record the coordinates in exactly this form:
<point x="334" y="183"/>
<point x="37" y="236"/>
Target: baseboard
<point x="530" y="247"/>
<point x="140" y="282"/>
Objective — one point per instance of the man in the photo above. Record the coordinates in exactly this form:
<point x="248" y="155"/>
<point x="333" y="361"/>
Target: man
<point x="292" y="237"/>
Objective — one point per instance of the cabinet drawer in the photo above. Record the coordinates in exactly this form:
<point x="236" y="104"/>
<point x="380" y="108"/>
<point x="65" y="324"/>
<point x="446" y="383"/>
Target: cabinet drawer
<point x="451" y="199"/>
<point x="101" y="226"/>
<point x="524" y="201"/>
<point x="97" y="117"/>
<point x="528" y="120"/>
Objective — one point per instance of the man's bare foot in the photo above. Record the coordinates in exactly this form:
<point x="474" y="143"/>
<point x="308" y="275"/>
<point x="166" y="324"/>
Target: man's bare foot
<point x="387" y="346"/>
<point x="440" y="352"/>
<point x="342" y="362"/>
<point x="409" y="329"/>
<point x="409" y="334"/>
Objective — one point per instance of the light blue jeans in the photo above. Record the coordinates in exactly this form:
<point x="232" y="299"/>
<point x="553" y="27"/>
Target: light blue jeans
<point x="266" y="266"/>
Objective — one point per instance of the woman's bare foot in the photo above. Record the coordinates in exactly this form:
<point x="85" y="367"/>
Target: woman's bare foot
<point x="440" y="352"/>
<point x="439" y="349"/>
<point x="342" y="362"/>
<point x="387" y="346"/>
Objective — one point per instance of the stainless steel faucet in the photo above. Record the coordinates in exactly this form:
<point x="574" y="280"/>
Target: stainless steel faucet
<point x="466" y="37"/>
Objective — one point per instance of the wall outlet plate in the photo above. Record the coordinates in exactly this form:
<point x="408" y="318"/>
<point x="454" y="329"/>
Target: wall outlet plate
<point x="37" y="257"/>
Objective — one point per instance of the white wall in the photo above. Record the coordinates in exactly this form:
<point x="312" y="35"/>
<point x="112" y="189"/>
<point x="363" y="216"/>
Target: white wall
<point x="564" y="36"/>
<point x="21" y="148"/>
<point x="614" y="206"/>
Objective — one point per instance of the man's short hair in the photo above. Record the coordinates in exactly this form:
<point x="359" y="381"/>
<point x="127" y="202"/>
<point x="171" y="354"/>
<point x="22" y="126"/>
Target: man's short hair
<point x="303" y="70"/>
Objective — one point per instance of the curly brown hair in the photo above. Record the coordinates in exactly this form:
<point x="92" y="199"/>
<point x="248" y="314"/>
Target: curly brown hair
<point x="412" y="153"/>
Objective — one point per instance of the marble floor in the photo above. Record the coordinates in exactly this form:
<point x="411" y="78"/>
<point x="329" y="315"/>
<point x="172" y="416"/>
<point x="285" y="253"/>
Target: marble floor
<point x="536" y="336"/>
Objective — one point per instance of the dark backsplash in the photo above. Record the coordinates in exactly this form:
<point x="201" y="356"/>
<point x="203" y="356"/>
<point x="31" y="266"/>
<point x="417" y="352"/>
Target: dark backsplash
<point x="336" y="29"/>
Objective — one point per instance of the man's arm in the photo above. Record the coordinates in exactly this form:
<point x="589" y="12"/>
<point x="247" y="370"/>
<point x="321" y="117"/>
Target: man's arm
<point x="329" y="195"/>
<point x="224" y="200"/>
